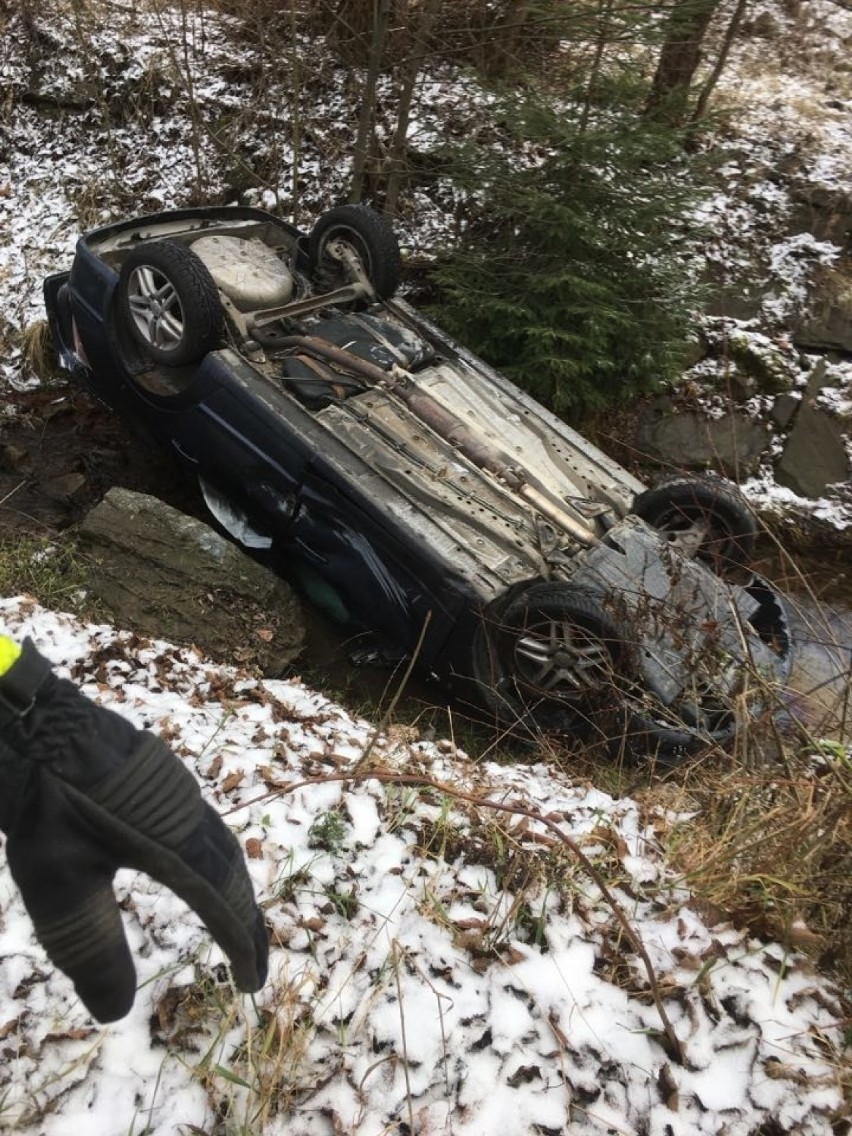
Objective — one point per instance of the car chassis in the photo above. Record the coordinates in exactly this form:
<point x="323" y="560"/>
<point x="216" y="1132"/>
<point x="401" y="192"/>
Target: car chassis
<point x="413" y="489"/>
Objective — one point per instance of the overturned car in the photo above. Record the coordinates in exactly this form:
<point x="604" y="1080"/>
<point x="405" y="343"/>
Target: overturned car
<point x="413" y="490"/>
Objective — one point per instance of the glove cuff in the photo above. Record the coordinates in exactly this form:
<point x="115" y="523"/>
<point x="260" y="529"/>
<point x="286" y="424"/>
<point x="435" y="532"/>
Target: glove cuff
<point x="20" y="685"/>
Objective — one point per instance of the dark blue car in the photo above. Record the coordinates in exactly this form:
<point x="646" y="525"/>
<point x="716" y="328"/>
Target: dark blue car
<point x="413" y="490"/>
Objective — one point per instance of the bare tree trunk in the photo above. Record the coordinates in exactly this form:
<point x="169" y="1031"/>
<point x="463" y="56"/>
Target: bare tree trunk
<point x="411" y="71"/>
<point x="594" y="72"/>
<point x="508" y="31"/>
<point x="368" y="96"/>
<point x="679" y="59"/>
<point x="295" y="115"/>
<point x="721" y="60"/>
<point x="514" y="29"/>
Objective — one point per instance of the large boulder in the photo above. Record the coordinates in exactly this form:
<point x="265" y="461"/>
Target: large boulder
<point x="816" y="451"/>
<point x="825" y="324"/>
<point x="691" y="439"/>
<point x="822" y="210"/>
<point x="167" y="575"/>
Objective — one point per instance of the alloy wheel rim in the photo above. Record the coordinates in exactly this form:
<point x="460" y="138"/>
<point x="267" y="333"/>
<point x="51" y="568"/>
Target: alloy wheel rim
<point x="155" y="307"/>
<point x="690" y="535"/>
<point x="560" y="659"/>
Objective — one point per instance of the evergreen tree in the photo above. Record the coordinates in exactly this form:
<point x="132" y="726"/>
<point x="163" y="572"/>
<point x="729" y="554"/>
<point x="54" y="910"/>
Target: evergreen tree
<point x="574" y="279"/>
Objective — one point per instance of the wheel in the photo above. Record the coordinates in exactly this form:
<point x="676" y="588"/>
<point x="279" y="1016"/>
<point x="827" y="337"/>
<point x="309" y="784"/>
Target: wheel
<point x="703" y="518"/>
<point x="703" y="716"/>
<point x="552" y="661"/>
<point x="363" y="231"/>
<point x="170" y="303"/>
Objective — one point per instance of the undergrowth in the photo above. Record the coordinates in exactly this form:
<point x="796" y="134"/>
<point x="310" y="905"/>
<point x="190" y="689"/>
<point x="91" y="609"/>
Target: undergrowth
<point x="761" y="836"/>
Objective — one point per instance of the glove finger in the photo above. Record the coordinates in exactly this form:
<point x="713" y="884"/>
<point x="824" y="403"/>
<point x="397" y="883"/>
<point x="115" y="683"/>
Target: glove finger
<point x="65" y="880"/>
<point x="154" y="815"/>
<point x="88" y="943"/>
<point x="212" y="878"/>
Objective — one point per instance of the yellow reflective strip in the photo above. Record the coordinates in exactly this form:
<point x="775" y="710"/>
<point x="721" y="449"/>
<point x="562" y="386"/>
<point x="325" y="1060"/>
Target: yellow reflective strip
<point x="9" y="651"/>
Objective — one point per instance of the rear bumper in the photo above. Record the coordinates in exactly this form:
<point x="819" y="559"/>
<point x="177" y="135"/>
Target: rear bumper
<point x="57" y="302"/>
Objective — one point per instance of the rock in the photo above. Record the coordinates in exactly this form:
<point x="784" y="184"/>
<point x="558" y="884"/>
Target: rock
<point x="73" y="92"/>
<point x="817" y="379"/>
<point x="783" y="409"/>
<point x="66" y="489"/>
<point x="815" y="454"/>
<point x="748" y="360"/>
<point x="732" y="443"/>
<point x="12" y="457"/>
<point x="823" y="211"/>
<point x="828" y="327"/>
<point x="763" y="26"/>
<point x="167" y="575"/>
<point x="732" y="300"/>
<point x="772" y="366"/>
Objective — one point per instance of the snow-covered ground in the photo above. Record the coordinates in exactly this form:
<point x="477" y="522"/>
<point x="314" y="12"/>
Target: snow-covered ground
<point x="436" y="966"/>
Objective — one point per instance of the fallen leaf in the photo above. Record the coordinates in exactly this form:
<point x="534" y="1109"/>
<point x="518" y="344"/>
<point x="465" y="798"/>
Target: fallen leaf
<point x="511" y="955"/>
<point x="71" y="1034"/>
<point x="471" y="924"/>
<point x="270" y="777"/>
<point x="254" y="848"/>
<point x="232" y="780"/>
<point x="667" y="1086"/>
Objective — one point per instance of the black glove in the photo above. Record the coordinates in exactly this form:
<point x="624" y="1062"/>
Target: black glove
<point x="83" y="793"/>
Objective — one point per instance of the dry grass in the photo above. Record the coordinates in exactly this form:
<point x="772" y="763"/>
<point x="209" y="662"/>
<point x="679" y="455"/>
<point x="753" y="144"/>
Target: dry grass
<point x="39" y="353"/>
<point x="769" y="850"/>
<point x="252" y="1067"/>
<point x="762" y="835"/>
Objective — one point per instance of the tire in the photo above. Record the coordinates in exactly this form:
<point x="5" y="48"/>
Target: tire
<point x="703" y="518"/>
<point x="552" y="662"/>
<point x="170" y="303"/>
<point x="369" y="235"/>
<point x="677" y="733"/>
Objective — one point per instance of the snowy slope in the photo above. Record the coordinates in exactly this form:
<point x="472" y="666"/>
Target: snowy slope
<point x="437" y="966"/>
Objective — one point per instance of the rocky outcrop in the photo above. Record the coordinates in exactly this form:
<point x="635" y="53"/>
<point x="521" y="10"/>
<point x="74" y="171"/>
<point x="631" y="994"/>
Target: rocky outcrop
<point x="827" y="323"/>
<point x="167" y="575"/>
<point x="814" y="456"/>
<point x="826" y="212"/>
<point x="793" y="432"/>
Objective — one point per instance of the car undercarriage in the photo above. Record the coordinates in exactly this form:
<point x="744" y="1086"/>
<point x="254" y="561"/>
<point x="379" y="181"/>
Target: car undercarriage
<point x="440" y="504"/>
